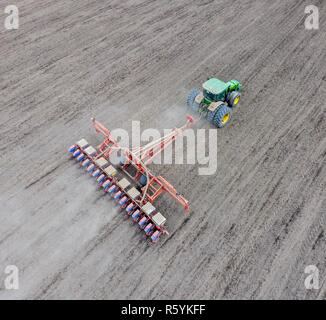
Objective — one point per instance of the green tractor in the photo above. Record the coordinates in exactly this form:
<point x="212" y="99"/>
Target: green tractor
<point x="216" y="101"/>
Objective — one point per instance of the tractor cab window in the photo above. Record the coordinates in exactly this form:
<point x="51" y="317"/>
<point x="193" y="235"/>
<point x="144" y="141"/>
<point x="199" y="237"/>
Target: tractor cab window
<point x="210" y="96"/>
<point x="213" y="97"/>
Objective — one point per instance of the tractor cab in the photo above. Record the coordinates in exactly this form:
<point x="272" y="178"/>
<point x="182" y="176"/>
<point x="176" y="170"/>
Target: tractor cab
<point x="217" y="90"/>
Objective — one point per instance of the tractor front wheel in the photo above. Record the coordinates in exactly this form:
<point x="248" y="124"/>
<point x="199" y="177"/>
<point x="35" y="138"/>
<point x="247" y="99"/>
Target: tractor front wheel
<point x="234" y="98"/>
<point x="191" y="103"/>
<point x="222" y="116"/>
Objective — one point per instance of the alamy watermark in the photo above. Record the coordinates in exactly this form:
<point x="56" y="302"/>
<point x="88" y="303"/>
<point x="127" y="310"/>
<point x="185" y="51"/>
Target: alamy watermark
<point x="12" y="18"/>
<point x="312" y="280"/>
<point x="190" y="147"/>
<point x="312" y="20"/>
<point x="11" y="281"/>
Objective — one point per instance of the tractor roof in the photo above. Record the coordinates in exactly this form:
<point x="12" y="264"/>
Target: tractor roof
<point x="215" y="86"/>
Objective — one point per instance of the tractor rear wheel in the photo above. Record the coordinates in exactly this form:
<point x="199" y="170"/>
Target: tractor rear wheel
<point x="191" y="103"/>
<point x="210" y="115"/>
<point x="222" y="116"/>
<point x="234" y="98"/>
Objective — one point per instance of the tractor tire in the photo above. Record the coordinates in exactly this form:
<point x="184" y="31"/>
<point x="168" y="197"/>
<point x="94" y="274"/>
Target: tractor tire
<point x="234" y="98"/>
<point x="191" y="103"/>
<point x="222" y="116"/>
<point x="210" y="115"/>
